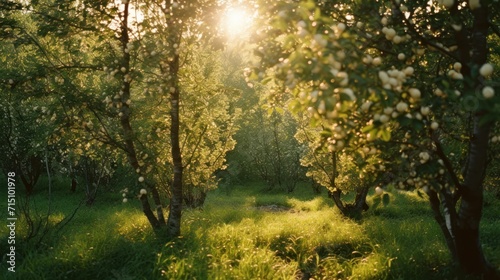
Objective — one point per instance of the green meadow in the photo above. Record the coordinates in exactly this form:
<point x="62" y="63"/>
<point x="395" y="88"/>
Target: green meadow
<point x="242" y="233"/>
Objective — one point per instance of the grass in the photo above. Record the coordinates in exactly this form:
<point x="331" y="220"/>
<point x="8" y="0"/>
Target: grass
<point x="237" y="236"/>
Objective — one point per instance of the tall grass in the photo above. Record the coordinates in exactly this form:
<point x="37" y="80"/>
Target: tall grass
<point x="240" y="236"/>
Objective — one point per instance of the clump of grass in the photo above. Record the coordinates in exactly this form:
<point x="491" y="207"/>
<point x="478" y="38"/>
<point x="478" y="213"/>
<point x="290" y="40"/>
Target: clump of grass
<point x="272" y="199"/>
<point x="314" y="204"/>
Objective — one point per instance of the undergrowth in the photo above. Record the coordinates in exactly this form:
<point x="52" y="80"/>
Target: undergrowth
<point x="249" y="234"/>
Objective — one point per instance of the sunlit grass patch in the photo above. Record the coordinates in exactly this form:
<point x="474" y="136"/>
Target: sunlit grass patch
<point x="222" y="251"/>
<point x="272" y="199"/>
<point x="407" y="235"/>
<point x="306" y="239"/>
<point x="132" y="225"/>
<point x="315" y="204"/>
<point x="401" y="205"/>
<point x="316" y="241"/>
<point x="255" y="244"/>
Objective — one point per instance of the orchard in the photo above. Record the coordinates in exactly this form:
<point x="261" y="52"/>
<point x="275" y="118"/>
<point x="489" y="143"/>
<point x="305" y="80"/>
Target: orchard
<point x="163" y="105"/>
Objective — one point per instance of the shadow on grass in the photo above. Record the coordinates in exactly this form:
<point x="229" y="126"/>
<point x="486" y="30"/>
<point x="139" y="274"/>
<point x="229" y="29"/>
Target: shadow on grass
<point x="406" y="233"/>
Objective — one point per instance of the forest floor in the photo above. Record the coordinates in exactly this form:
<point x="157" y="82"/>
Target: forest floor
<point x="242" y="233"/>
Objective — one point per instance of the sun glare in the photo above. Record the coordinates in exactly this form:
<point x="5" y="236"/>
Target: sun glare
<point x="236" y="21"/>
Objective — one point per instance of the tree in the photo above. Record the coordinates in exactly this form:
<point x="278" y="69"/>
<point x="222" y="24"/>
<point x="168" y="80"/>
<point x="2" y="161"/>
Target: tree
<point x="23" y="152"/>
<point x="155" y="70"/>
<point x="173" y="32"/>
<point x="341" y="171"/>
<point x="400" y="69"/>
<point x="29" y="125"/>
<point x="116" y="72"/>
<point x="209" y="122"/>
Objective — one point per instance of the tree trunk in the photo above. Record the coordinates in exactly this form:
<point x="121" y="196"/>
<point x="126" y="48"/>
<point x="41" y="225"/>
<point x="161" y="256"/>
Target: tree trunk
<point x="159" y="207"/>
<point x="468" y="247"/>
<point x="448" y="234"/>
<point x="335" y="195"/>
<point x="128" y="133"/>
<point x="146" y="209"/>
<point x="74" y="183"/>
<point x="461" y="229"/>
<point x="29" y="172"/>
<point x="174" y="217"/>
<point x="349" y="210"/>
<point x="360" y="200"/>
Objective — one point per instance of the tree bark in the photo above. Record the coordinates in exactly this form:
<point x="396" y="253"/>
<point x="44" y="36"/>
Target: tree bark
<point x="360" y="200"/>
<point x="128" y="132"/>
<point x="348" y="210"/>
<point x="159" y="207"/>
<point x="468" y="247"/>
<point x="336" y="193"/>
<point x="450" y="241"/>
<point x="462" y="227"/>
<point x="146" y="209"/>
<point x="30" y="172"/>
<point x="174" y="217"/>
<point x="469" y="252"/>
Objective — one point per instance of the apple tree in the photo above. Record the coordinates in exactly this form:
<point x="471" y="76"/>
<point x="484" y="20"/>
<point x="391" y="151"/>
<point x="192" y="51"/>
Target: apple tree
<point x="112" y="74"/>
<point x="409" y="73"/>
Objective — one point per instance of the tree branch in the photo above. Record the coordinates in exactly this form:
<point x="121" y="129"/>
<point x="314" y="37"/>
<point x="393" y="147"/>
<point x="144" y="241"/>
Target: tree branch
<point x="434" y="201"/>
<point x="421" y="38"/>
<point x="446" y="161"/>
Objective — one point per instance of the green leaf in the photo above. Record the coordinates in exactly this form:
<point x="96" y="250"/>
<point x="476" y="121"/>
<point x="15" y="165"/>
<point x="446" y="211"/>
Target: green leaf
<point x="326" y="133"/>
<point x="386" y="199"/>
<point x="270" y="111"/>
<point x="376" y="202"/>
<point x="384" y="134"/>
<point x="279" y="110"/>
<point x="266" y="80"/>
<point x="419" y="193"/>
<point x="309" y="5"/>
<point x="367" y="129"/>
<point x="317" y="13"/>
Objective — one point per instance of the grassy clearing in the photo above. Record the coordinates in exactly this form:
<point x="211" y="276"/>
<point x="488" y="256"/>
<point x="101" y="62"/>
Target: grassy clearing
<point x="239" y="236"/>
